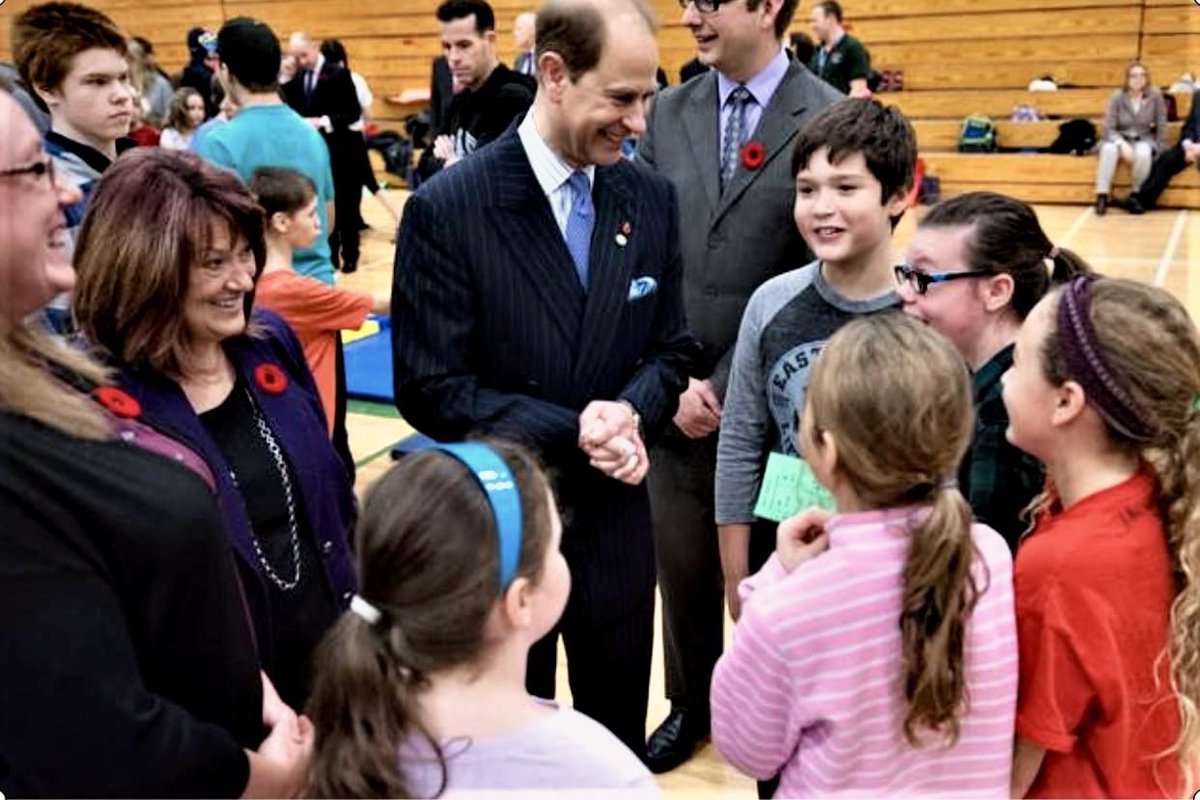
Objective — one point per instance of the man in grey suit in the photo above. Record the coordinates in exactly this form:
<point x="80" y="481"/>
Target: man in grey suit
<point x="724" y="140"/>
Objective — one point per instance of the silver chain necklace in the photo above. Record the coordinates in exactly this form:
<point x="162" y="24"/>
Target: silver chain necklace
<point x="268" y="438"/>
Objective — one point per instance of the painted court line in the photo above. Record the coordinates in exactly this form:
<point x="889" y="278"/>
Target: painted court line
<point x="1076" y="227"/>
<point x="1164" y="263"/>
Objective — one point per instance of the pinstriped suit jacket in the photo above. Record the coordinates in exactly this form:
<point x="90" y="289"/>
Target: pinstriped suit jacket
<point x="492" y="333"/>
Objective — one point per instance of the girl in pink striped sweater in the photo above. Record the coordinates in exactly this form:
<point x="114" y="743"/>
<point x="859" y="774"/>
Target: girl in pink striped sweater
<point x="876" y="652"/>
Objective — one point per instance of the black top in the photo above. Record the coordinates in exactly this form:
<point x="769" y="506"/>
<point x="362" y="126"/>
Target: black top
<point x="998" y="479"/>
<point x="127" y="666"/>
<point x="305" y="612"/>
<point x="478" y="116"/>
<point x="847" y="61"/>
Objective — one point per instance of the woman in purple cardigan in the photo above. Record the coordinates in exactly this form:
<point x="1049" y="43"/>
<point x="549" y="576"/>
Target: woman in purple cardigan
<point x="167" y="257"/>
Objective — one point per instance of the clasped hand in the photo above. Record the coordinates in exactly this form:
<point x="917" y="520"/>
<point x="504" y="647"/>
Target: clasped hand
<point x="609" y="436"/>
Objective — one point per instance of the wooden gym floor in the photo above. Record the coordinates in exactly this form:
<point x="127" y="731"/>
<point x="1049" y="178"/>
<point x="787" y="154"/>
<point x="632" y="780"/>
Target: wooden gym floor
<point x="1158" y="248"/>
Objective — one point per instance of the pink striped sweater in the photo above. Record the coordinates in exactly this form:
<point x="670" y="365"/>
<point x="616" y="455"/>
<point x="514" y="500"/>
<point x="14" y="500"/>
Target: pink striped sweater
<point x="812" y="684"/>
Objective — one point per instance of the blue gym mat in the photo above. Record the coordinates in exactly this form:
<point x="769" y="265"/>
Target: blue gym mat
<point x="369" y="364"/>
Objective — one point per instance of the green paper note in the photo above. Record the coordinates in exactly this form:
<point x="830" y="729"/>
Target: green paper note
<point x="789" y="487"/>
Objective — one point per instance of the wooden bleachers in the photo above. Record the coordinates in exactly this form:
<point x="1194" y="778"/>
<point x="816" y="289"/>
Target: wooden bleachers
<point x="959" y="57"/>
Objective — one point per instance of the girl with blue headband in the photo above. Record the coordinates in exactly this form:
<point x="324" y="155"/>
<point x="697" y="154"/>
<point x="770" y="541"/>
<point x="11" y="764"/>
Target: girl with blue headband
<point x="420" y="687"/>
<point x="1103" y="390"/>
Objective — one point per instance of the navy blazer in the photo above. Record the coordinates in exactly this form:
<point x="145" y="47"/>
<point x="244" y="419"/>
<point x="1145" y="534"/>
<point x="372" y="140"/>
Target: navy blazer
<point x="297" y="419"/>
<point x="493" y="334"/>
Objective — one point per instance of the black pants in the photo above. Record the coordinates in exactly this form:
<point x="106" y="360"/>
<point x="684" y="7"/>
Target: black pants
<point x="608" y="668"/>
<point x="686" y="551"/>
<point x="341" y="439"/>
<point x="1167" y="165"/>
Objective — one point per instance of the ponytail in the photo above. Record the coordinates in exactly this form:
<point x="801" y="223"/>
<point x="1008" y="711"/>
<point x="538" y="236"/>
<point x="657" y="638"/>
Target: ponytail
<point x="363" y="710"/>
<point x="1179" y="485"/>
<point x="939" y="594"/>
<point x="1066" y="264"/>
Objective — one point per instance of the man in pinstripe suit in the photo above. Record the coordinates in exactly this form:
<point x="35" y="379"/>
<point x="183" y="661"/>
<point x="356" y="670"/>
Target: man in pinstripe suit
<point x="537" y="296"/>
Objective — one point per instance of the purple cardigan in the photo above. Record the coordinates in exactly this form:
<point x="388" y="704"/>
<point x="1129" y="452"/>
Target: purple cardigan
<point x="297" y="419"/>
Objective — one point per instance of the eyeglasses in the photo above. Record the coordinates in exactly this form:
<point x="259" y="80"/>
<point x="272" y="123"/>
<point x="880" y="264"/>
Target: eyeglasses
<point x="703" y="6"/>
<point x="921" y="281"/>
<point x="45" y="166"/>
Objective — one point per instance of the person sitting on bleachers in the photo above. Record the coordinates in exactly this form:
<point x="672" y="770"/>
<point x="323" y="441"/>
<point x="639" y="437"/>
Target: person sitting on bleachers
<point x="1134" y="125"/>
<point x="1169" y="163"/>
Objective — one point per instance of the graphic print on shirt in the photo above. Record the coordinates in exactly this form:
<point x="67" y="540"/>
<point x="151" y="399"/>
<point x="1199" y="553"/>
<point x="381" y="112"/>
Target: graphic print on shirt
<point x="786" y="387"/>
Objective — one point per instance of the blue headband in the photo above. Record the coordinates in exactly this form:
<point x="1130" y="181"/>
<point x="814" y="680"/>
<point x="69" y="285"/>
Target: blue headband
<point x="498" y="484"/>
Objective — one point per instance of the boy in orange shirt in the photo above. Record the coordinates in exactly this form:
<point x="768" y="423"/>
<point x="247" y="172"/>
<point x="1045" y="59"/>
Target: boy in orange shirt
<point x="315" y="310"/>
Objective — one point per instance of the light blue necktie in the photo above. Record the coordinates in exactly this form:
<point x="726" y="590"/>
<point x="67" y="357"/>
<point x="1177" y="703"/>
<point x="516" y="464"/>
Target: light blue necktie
<point x="735" y="133"/>
<point x="580" y="223"/>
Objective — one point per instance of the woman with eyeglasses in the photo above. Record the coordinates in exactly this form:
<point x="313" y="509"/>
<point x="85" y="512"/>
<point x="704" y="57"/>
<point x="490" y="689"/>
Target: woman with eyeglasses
<point x="128" y="664"/>
<point x="977" y="265"/>
<point x="1135" y="127"/>
<point x="168" y="257"/>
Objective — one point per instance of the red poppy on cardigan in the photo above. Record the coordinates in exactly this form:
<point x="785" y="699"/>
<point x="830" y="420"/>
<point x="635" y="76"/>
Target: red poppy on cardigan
<point x="270" y="378"/>
<point x="753" y="154"/>
<point x="119" y="402"/>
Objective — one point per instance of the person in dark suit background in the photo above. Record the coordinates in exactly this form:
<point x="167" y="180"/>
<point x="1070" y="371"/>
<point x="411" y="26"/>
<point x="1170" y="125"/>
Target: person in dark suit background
<point x="522" y="33"/>
<point x="488" y="96"/>
<point x="1169" y="163"/>
<point x="537" y="297"/>
<point x="323" y="93"/>
<point x="691" y="69"/>
<point x="739" y="233"/>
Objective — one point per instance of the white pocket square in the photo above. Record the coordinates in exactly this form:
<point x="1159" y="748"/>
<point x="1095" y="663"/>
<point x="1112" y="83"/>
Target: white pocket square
<point x="642" y="287"/>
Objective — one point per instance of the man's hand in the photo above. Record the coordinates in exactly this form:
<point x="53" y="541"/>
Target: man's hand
<point x="1191" y="151"/>
<point x="443" y="148"/>
<point x="699" y="411"/>
<point x="801" y="538"/>
<point x="609" y="436"/>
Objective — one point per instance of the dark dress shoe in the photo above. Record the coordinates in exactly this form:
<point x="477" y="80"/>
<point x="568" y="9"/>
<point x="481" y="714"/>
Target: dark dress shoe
<point x="1101" y="205"/>
<point x="1134" y="206"/>
<point x="347" y="268"/>
<point x="674" y="741"/>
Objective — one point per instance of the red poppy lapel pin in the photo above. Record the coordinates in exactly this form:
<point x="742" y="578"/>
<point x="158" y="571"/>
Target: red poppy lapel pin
<point x="118" y="402"/>
<point x="270" y="378"/>
<point x="623" y="232"/>
<point x="753" y="154"/>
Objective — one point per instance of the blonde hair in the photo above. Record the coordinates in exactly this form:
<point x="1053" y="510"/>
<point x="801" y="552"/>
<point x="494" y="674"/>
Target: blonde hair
<point x="896" y="398"/>
<point x="29" y="360"/>
<point x="1150" y="345"/>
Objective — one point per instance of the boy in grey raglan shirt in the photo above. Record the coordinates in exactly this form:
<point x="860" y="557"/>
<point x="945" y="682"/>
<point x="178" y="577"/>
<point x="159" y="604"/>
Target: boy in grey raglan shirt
<point x="853" y="166"/>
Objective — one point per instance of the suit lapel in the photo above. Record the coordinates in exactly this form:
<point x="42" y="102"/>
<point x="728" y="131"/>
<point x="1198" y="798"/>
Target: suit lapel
<point x="778" y="125"/>
<point x="703" y="134"/>
<point x="526" y="224"/>
<point x="609" y="270"/>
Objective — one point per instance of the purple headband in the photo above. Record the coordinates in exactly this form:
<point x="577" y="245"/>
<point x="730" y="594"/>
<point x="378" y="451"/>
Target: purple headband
<point x="1086" y="366"/>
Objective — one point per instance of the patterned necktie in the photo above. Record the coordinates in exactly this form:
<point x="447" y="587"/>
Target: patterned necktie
<point x="580" y="223"/>
<point x="735" y="133"/>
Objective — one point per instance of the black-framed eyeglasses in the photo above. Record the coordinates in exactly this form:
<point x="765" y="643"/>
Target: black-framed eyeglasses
<point x="703" y="6"/>
<point x="921" y="281"/>
<point x="38" y="168"/>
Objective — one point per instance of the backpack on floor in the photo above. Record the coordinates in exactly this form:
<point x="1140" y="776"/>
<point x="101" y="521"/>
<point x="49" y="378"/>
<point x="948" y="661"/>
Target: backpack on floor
<point x="977" y="135"/>
<point x="1076" y="136"/>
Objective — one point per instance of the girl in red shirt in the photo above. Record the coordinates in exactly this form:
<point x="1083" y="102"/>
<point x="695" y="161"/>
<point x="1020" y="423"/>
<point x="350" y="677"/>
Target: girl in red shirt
<point x="1104" y="390"/>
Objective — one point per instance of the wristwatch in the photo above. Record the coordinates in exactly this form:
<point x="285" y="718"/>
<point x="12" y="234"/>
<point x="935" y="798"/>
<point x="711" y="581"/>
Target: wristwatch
<point x="637" y="418"/>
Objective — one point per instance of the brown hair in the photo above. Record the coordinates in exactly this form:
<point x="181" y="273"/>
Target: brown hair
<point x="787" y="10"/>
<point x="281" y="190"/>
<point x="578" y="31"/>
<point x="429" y="561"/>
<point x="148" y="223"/>
<point x="1006" y="238"/>
<point x="177" y="114"/>
<point x="1150" y="345"/>
<point x="1130" y="68"/>
<point x="47" y="37"/>
<point x="882" y="135"/>
<point x="896" y="398"/>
